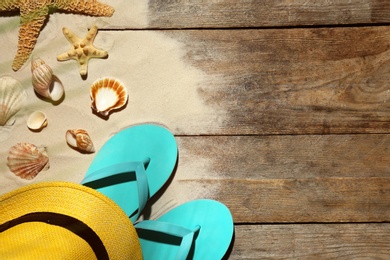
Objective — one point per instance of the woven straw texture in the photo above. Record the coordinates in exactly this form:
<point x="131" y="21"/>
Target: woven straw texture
<point x="39" y="240"/>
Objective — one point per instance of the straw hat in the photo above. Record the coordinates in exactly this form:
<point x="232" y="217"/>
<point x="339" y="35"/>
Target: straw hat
<point x="60" y="220"/>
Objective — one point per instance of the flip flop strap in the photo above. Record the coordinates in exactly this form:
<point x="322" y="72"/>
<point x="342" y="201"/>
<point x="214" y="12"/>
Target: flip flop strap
<point x="186" y="234"/>
<point x="119" y="168"/>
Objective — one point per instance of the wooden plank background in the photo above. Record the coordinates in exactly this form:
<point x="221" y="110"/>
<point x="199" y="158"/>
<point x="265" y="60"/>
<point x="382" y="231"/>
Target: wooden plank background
<point x="295" y="81"/>
<point x="185" y="14"/>
<point x="298" y="147"/>
<point x="302" y="159"/>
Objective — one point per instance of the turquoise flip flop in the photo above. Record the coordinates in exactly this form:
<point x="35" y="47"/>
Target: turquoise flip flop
<point x="199" y="229"/>
<point x="133" y="165"/>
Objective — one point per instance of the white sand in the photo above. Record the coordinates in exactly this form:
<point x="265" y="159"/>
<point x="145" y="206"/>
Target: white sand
<point x="162" y="88"/>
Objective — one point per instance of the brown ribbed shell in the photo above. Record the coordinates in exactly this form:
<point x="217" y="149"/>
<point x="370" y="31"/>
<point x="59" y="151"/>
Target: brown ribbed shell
<point x="108" y="94"/>
<point x="27" y="160"/>
<point x="80" y="139"/>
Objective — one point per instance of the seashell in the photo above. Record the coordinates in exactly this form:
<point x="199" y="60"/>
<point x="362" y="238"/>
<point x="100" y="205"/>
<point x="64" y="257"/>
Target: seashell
<point x="27" y="160"/>
<point x="45" y="82"/>
<point x="36" y="121"/>
<point x="12" y="97"/>
<point x="80" y="139"/>
<point x="107" y="94"/>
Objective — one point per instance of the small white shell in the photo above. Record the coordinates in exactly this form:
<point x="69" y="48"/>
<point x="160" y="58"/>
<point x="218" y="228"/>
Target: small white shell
<point x="12" y="97"/>
<point x="107" y="94"/>
<point x="27" y="160"/>
<point x="80" y="139"/>
<point x="44" y="82"/>
<point x="36" y="121"/>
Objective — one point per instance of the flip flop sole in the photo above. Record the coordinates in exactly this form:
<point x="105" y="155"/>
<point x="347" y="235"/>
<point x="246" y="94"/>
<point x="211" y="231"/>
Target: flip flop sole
<point x="135" y="144"/>
<point x="212" y="241"/>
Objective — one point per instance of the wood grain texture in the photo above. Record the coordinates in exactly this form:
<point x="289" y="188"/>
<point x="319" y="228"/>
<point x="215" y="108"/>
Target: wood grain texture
<point x="294" y="81"/>
<point x="312" y="241"/>
<point x="282" y="184"/>
<point x="284" y="157"/>
<point x="265" y="13"/>
<point x="321" y="200"/>
<point x="304" y="200"/>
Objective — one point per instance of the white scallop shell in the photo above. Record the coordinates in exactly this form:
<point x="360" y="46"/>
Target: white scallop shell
<point x="44" y="82"/>
<point x="27" y="160"/>
<point x="12" y="97"/>
<point x="107" y="94"/>
<point x="80" y="139"/>
<point x="36" y="121"/>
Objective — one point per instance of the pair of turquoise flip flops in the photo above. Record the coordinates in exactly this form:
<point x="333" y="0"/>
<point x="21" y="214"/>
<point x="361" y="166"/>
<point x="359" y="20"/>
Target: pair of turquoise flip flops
<point x="130" y="168"/>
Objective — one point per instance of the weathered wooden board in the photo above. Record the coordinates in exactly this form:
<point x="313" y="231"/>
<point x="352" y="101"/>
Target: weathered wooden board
<point x="232" y="13"/>
<point x="288" y="200"/>
<point x="263" y="180"/>
<point x="312" y="241"/>
<point x="283" y="157"/>
<point x="184" y="14"/>
<point x="294" y="81"/>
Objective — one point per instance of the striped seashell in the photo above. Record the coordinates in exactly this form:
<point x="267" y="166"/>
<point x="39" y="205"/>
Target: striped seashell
<point x="12" y="98"/>
<point x="108" y="94"/>
<point x="27" y="160"/>
<point x="44" y="82"/>
<point x="80" y="139"/>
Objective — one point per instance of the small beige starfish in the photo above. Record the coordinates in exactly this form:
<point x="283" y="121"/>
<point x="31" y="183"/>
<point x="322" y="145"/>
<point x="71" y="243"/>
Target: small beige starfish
<point x="33" y="14"/>
<point x="82" y="49"/>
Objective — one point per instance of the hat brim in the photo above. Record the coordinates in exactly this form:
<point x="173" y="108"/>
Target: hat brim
<point x="81" y="217"/>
